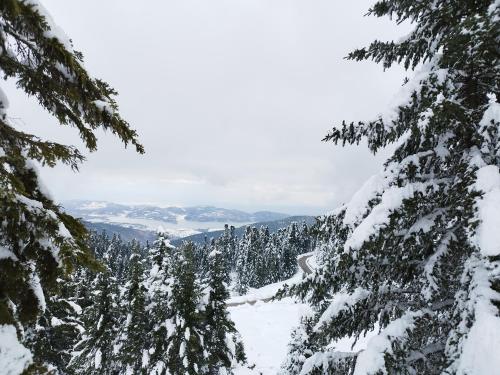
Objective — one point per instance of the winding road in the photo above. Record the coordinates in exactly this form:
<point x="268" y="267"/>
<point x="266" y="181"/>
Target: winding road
<point x="303" y="265"/>
<point x="302" y="262"/>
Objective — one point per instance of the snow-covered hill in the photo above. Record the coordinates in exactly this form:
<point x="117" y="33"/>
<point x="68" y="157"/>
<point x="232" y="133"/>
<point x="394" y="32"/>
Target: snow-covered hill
<point x="176" y="221"/>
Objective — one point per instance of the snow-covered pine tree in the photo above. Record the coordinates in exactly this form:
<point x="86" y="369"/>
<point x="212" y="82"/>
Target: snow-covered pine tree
<point x="37" y="240"/>
<point x="243" y="266"/>
<point x="185" y="346"/>
<point x="228" y="242"/>
<point x="220" y="335"/>
<point x="161" y="258"/>
<point x="201" y="256"/>
<point x="414" y="257"/>
<point x="254" y="258"/>
<point x="272" y="257"/>
<point x="290" y="248"/>
<point x="261" y="268"/>
<point x="118" y="252"/>
<point x="95" y="353"/>
<point x="132" y="346"/>
<point x="305" y="238"/>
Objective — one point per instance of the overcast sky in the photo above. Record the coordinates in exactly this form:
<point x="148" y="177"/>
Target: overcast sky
<point x="230" y="98"/>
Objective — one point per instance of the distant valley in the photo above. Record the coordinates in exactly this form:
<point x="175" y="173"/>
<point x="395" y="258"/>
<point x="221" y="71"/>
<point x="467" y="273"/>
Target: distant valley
<point x="178" y="222"/>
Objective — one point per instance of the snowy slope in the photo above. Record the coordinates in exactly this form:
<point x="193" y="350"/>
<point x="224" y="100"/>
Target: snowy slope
<point x="266" y="326"/>
<point x="265" y="329"/>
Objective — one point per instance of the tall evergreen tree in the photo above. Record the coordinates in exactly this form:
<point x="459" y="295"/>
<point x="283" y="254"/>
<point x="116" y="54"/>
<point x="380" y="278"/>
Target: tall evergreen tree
<point x="243" y="262"/>
<point x="38" y="241"/>
<point x="219" y="329"/>
<point x="291" y="249"/>
<point x="95" y="353"/>
<point x="185" y="348"/>
<point x="132" y="343"/>
<point x="416" y="251"/>
<point x="229" y="244"/>
<point x="161" y="259"/>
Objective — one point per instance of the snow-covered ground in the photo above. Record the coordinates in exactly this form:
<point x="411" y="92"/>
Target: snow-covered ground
<point x="266" y="328"/>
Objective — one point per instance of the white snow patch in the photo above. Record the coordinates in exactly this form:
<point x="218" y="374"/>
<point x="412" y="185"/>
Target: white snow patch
<point x="14" y="357"/>
<point x="481" y="347"/>
<point x="36" y="287"/>
<point x="481" y="351"/>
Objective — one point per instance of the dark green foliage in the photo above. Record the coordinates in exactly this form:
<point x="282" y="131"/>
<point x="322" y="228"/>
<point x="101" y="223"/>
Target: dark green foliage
<point x="258" y="258"/>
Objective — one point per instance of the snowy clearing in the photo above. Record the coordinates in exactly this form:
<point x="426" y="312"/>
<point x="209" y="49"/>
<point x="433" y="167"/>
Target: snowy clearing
<point x="265" y="329"/>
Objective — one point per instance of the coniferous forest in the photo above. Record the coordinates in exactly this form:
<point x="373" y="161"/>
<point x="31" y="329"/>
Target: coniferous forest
<point x="403" y="278"/>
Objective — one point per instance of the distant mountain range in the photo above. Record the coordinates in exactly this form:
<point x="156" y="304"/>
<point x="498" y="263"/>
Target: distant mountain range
<point x="177" y="221"/>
